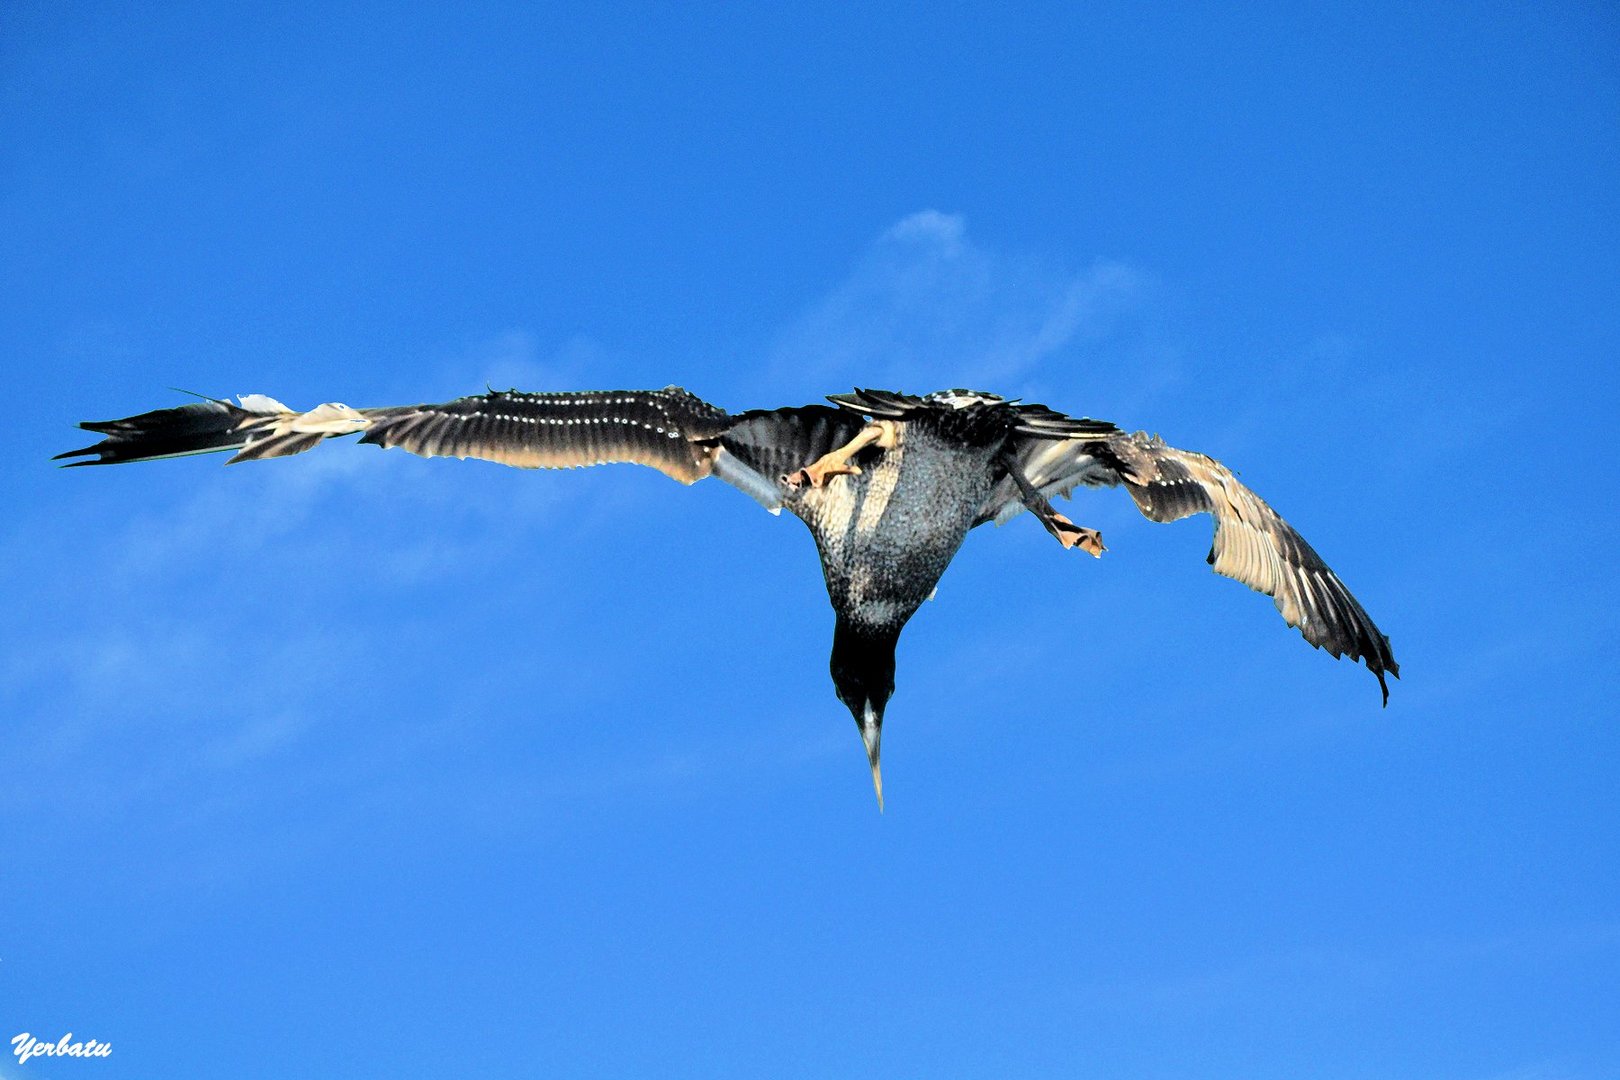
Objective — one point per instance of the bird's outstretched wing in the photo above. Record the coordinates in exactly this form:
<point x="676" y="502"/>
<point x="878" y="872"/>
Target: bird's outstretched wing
<point x="1253" y="544"/>
<point x="670" y="430"/>
<point x="665" y="429"/>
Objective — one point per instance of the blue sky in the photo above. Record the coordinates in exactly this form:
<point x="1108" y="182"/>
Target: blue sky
<point x="359" y="764"/>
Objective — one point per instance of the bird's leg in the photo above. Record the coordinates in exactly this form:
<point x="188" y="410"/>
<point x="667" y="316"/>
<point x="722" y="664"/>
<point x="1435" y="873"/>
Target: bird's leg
<point x="885" y="434"/>
<point x="1067" y="532"/>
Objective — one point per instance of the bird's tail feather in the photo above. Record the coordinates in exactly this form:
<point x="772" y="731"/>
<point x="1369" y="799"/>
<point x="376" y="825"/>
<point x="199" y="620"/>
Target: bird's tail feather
<point x="256" y="427"/>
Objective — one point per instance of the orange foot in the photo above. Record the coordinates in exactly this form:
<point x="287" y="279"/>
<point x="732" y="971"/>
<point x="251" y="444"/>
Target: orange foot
<point x="816" y="475"/>
<point x="1071" y="535"/>
<point x="885" y="434"/>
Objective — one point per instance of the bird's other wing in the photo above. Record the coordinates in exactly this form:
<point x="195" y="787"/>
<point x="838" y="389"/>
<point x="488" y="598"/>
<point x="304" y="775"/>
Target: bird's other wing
<point x="761" y="446"/>
<point x="666" y="429"/>
<point x="1253" y="544"/>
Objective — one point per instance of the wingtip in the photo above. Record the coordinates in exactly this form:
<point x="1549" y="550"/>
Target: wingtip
<point x="1383" y="684"/>
<point x="1387" y="666"/>
<point x="85" y="452"/>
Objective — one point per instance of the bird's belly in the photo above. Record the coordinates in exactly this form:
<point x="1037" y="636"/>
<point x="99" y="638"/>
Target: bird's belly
<point x="886" y="535"/>
<point x="882" y="576"/>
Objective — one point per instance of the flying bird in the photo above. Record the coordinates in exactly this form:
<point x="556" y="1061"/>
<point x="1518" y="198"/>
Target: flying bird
<point x="889" y="485"/>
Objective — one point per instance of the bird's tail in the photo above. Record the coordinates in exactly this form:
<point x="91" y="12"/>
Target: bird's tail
<point x="256" y="427"/>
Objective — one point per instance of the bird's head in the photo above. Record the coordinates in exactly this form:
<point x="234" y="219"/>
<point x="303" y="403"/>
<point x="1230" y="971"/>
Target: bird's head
<point x="863" y="672"/>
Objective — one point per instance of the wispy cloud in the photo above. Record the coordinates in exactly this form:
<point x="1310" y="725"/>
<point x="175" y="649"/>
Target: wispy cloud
<point x="927" y="306"/>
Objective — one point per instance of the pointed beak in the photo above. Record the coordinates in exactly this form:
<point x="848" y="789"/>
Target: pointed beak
<point x="872" y="736"/>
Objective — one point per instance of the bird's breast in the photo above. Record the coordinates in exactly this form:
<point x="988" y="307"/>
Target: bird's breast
<point x="887" y="534"/>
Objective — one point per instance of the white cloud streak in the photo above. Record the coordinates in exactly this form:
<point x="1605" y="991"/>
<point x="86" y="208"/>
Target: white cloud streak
<point x="927" y="307"/>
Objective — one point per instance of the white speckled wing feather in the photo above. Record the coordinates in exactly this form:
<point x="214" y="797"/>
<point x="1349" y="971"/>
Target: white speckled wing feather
<point x="664" y="429"/>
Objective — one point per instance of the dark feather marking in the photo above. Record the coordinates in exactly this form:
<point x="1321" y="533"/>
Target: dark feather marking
<point x="194" y="428"/>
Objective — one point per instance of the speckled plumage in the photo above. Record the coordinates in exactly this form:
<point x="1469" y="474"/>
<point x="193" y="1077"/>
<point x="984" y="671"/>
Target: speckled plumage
<point x="887" y="535"/>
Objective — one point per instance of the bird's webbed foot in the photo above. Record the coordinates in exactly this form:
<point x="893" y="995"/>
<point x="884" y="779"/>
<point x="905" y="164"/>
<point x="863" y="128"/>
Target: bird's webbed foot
<point x="884" y="434"/>
<point x="1067" y="532"/>
<point x="1071" y="535"/>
